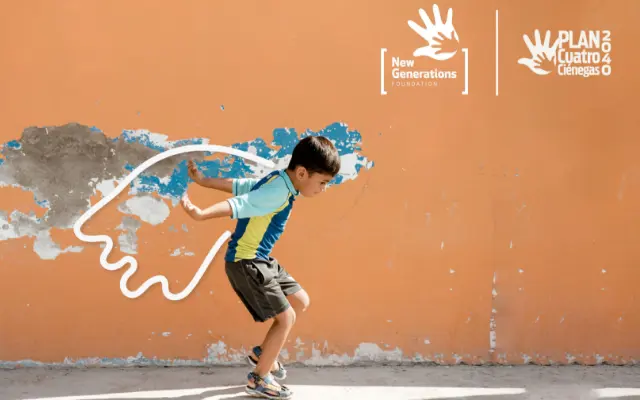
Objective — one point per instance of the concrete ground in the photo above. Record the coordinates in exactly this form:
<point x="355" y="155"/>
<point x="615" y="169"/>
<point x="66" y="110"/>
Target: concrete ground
<point x="370" y="383"/>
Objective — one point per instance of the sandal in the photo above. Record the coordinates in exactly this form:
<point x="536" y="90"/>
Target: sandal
<point x="266" y="388"/>
<point x="279" y="373"/>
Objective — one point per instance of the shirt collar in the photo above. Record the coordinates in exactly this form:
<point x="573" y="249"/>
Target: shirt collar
<point x="289" y="183"/>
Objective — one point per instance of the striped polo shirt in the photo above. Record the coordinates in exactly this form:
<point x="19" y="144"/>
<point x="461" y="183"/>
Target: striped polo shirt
<point x="262" y="208"/>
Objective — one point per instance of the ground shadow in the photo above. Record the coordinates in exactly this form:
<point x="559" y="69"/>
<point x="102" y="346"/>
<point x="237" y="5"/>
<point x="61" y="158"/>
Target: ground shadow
<point x="220" y="394"/>
<point x="335" y="383"/>
<point x="482" y="397"/>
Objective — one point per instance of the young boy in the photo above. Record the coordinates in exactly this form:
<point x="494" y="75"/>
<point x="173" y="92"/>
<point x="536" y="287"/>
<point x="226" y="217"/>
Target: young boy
<point x="262" y="208"/>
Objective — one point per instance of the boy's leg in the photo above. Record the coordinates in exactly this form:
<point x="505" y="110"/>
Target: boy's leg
<point x="299" y="300"/>
<point x="296" y="295"/>
<point x="255" y="283"/>
<point x="274" y="341"/>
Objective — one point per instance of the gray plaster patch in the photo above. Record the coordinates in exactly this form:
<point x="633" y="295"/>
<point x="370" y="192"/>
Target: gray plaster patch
<point x="61" y="165"/>
<point x="128" y="240"/>
<point x="150" y="209"/>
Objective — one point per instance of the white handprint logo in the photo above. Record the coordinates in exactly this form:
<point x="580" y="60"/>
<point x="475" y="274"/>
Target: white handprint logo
<point x="542" y="55"/>
<point x="436" y="34"/>
<point x="132" y="262"/>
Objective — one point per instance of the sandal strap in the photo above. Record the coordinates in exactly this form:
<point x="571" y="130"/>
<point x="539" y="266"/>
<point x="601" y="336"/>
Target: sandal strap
<point x="272" y="389"/>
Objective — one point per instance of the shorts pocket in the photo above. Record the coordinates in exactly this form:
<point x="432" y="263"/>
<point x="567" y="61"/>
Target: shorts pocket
<point x="260" y="271"/>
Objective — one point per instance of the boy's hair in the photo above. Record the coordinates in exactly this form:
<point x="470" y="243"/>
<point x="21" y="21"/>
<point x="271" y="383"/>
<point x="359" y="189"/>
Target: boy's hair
<point x="317" y="155"/>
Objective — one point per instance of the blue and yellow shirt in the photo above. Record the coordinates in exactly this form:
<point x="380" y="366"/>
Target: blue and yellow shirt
<point x="262" y="208"/>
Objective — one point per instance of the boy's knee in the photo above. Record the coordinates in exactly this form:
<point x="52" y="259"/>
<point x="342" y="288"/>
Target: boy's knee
<point x="305" y="303"/>
<point x="300" y="300"/>
<point x="287" y="317"/>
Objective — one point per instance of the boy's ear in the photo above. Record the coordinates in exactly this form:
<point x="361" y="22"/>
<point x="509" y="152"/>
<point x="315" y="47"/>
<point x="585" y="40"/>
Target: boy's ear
<point x="301" y="172"/>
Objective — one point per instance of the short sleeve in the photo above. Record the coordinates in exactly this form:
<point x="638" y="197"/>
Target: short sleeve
<point x="243" y="185"/>
<point x="264" y="200"/>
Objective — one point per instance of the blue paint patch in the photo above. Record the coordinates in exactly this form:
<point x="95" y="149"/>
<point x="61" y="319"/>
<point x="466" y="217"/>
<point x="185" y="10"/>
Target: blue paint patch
<point x="336" y="181"/>
<point x="262" y="149"/>
<point x="286" y="139"/>
<point x="1" y="161"/>
<point x="14" y="144"/>
<point x="211" y="168"/>
<point x="346" y="141"/>
<point x="175" y="187"/>
<point x="186" y="142"/>
<point x="222" y="107"/>
<point x="143" y="138"/>
<point x="95" y="129"/>
<point x="42" y="203"/>
<point x="227" y="166"/>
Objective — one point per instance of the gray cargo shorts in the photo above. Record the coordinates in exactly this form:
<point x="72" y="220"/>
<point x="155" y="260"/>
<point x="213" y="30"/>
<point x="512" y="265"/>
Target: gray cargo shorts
<point x="262" y="285"/>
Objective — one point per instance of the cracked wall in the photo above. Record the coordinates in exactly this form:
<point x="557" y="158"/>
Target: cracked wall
<point x="491" y="229"/>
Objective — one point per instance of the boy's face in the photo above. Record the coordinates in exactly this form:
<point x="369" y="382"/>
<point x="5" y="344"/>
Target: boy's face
<point x="312" y="184"/>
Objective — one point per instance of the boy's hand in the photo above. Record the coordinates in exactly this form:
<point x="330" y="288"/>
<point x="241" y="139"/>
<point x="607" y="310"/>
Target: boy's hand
<point x="193" y="211"/>
<point x="193" y="171"/>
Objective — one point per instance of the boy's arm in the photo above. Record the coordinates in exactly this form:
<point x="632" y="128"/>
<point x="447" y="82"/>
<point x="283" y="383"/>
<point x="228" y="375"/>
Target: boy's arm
<point x="233" y="186"/>
<point x="221" y="209"/>
<point x="222" y="184"/>
<point x="264" y="200"/>
<point x="241" y="186"/>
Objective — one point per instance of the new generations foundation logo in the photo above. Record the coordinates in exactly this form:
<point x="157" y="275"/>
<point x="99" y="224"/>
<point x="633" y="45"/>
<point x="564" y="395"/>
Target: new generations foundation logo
<point x="430" y="64"/>
<point x="572" y="53"/>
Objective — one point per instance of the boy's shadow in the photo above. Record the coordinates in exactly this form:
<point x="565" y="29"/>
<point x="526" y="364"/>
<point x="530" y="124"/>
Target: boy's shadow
<point x="213" y="394"/>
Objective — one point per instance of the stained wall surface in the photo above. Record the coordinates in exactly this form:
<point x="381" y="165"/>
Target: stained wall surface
<point x="484" y="213"/>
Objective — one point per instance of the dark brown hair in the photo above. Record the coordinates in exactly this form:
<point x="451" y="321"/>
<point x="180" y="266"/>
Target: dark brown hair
<point x="317" y="155"/>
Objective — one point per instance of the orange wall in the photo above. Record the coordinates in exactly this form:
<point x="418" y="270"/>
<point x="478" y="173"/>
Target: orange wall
<point x="512" y="217"/>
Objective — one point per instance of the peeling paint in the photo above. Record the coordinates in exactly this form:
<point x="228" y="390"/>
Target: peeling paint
<point x="106" y="186"/>
<point x="148" y="208"/>
<point x="102" y="362"/>
<point x="19" y="225"/>
<point x="81" y="161"/>
<point x="493" y="335"/>
<point x="46" y="249"/>
<point x="218" y="353"/>
<point x="128" y="241"/>
<point x="179" y="251"/>
<point x="372" y="352"/>
<point x="299" y="346"/>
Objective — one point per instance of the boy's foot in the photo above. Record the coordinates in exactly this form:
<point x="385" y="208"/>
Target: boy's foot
<point x="277" y="370"/>
<point x="266" y="387"/>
